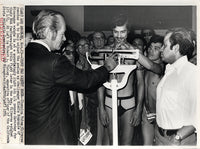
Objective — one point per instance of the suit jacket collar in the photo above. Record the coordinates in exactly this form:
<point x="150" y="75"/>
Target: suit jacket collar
<point x="42" y="43"/>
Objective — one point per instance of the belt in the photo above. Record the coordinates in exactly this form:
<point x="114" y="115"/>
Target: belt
<point x="168" y="132"/>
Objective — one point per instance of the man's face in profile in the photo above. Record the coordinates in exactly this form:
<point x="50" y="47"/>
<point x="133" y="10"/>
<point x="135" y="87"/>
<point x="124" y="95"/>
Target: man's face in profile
<point x="167" y="53"/>
<point x="120" y="33"/>
<point x="59" y="37"/>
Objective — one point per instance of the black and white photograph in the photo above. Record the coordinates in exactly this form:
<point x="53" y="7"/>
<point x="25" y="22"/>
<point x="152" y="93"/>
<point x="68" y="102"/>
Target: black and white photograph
<point x="99" y="74"/>
<point x="111" y="75"/>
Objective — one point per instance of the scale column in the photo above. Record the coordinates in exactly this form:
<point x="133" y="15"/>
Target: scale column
<point x="114" y="111"/>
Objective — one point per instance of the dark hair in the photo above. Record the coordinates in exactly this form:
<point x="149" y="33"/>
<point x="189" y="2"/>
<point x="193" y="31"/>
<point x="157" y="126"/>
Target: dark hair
<point x="46" y="19"/>
<point x="156" y="38"/>
<point x="193" y="37"/>
<point x="110" y="36"/>
<point x="138" y="36"/>
<point x="72" y="34"/>
<point x="82" y="38"/>
<point x="102" y="33"/>
<point x="119" y="20"/>
<point x="151" y="30"/>
<point x="182" y="37"/>
<point x="75" y="54"/>
<point x="90" y="37"/>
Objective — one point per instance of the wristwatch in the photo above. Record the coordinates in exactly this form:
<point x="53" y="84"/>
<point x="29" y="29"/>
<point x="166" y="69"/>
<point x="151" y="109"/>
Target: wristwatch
<point x="177" y="137"/>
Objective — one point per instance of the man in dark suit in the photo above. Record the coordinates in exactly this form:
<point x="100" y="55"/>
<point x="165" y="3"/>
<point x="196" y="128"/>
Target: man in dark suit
<point x="48" y="79"/>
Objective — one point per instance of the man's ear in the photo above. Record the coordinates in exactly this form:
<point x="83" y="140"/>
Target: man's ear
<point x="175" y="48"/>
<point x="50" y="34"/>
<point x="54" y="34"/>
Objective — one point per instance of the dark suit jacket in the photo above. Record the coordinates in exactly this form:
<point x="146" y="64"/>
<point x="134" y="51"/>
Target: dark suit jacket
<point x="48" y="77"/>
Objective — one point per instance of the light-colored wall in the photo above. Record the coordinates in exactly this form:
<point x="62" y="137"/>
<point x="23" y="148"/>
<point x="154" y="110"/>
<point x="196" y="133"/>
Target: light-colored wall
<point x="74" y="15"/>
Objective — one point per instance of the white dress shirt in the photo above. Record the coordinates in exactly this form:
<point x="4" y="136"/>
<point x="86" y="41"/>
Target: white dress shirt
<point x="176" y="103"/>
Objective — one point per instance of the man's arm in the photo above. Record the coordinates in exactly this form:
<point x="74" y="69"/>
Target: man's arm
<point x="103" y="115"/>
<point x="191" y="119"/>
<point x="65" y="74"/>
<point x="102" y="112"/>
<point x="136" y="117"/>
<point x="150" y="65"/>
<point x="184" y="132"/>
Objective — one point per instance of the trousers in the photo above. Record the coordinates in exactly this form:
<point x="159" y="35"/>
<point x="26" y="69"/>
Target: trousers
<point x="164" y="139"/>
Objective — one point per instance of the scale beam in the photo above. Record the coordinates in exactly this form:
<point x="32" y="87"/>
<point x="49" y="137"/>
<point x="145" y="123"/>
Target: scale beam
<point x="114" y="51"/>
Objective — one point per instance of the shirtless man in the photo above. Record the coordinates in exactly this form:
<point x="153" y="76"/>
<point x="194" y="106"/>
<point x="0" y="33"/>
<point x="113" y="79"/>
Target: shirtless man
<point x="139" y="42"/>
<point x="129" y="113"/>
<point x="99" y="41"/>
<point x="154" y="71"/>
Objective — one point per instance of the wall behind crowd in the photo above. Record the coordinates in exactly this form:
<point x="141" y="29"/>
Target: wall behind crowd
<point x="86" y="19"/>
<point x="74" y="15"/>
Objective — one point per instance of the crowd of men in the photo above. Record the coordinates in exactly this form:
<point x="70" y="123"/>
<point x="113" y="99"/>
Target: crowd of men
<point x="64" y="95"/>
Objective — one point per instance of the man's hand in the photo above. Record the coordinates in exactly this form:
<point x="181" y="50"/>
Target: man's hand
<point x="103" y="116"/>
<point x="136" y="118"/>
<point x="151" y="117"/>
<point x="173" y="141"/>
<point x="123" y="46"/>
<point x="111" y="62"/>
<point x="170" y="140"/>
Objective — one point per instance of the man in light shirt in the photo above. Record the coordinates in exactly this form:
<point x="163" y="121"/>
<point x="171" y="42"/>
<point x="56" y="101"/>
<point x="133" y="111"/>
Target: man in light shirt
<point x="176" y="105"/>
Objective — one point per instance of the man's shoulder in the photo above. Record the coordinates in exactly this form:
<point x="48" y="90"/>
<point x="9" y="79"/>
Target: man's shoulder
<point x="187" y="71"/>
<point x="40" y="52"/>
<point x="189" y="66"/>
<point x="34" y="47"/>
